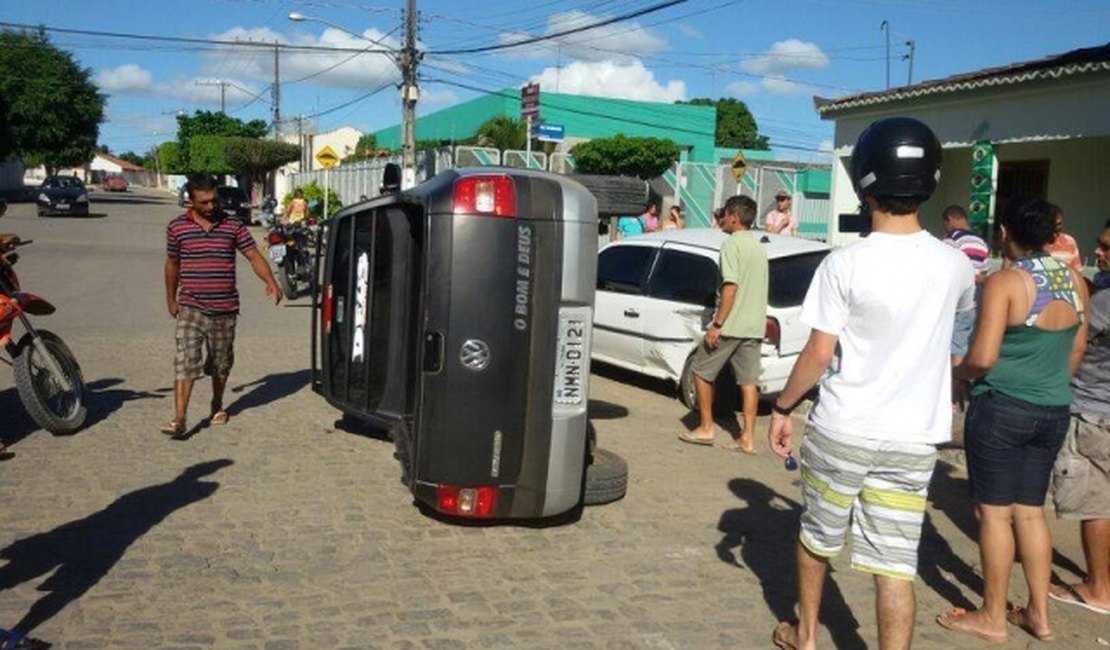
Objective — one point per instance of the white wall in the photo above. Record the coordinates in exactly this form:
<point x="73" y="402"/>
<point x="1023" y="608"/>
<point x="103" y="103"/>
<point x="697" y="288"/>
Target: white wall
<point x="341" y="140"/>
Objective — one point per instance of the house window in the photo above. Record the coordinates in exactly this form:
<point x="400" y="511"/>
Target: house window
<point x="1021" y="178"/>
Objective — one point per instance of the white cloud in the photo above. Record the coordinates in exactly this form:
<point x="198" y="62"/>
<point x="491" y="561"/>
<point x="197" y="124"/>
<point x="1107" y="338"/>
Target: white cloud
<point x="826" y="145"/>
<point x="780" y="85"/>
<point x="129" y="78"/>
<point x="335" y="69"/>
<point x="742" y="88"/>
<point x="610" y="79"/>
<point x="437" y="97"/>
<point x="206" y="90"/>
<point x="784" y="56"/>
<point x="619" y="42"/>
<point x="689" y="31"/>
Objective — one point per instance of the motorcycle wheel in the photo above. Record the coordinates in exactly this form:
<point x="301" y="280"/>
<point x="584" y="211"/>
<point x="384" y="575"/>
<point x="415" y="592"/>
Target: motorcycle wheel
<point x="56" y="404"/>
<point x="287" y="282"/>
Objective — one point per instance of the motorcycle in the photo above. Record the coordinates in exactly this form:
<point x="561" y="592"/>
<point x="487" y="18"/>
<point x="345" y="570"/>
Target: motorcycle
<point x="48" y="378"/>
<point x="289" y="244"/>
<point x="266" y="214"/>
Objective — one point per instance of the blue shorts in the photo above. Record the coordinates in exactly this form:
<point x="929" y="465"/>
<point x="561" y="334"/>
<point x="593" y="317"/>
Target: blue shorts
<point x="1011" y="446"/>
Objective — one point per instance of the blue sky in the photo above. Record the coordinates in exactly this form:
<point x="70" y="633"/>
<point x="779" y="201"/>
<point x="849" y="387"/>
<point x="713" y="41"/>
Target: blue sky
<point x="774" y="55"/>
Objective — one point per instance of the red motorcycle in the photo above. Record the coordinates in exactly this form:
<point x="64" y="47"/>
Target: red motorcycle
<point x="47" y="375"/>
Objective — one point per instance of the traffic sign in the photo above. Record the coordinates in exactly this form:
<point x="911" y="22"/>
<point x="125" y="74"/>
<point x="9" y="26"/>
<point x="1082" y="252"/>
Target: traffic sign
<point x="327" y="157"/>
<point x="549" y="132"/>
<point x="739" y="166"/>
<point x="530" y="102"/>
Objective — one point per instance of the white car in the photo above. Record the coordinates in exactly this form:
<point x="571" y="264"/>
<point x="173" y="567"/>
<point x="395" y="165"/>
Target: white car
<point x="656" y="295"/>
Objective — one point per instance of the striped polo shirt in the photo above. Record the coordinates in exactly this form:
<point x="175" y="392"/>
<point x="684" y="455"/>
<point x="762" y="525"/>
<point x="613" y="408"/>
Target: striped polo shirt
<point x="973" y="246"/>
<point x="207" y="262"/>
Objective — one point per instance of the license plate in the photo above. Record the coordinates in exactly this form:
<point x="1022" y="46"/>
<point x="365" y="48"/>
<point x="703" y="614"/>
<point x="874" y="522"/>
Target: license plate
<point x="572" y="363"/>
<point x="63" y="206"/>
<point x="277" y="252"/>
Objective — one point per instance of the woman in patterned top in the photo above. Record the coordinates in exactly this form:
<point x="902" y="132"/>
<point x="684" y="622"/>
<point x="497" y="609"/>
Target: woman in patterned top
<point x="1028" y="341"/>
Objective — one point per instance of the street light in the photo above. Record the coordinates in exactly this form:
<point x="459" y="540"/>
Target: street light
<point x="406" y="59"/>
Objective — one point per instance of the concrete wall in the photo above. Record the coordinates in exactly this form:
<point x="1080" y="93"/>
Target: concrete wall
<point x="341" y="140"/>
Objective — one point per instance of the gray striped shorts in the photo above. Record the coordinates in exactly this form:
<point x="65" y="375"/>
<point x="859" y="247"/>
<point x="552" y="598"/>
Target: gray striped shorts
<point x="878" y="488"/>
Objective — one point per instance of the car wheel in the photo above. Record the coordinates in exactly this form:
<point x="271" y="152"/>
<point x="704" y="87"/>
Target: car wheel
<point x="41" y="212"/>
<point x="687" y="385"/>
<point x="606" y="478"/>
<point x="726" y="396"/>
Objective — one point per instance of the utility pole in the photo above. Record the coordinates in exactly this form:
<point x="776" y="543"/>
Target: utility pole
<point x="223" y="91"/>
<point x="408" y="60"/>
<point x="913" y="46"/>
<point x="885" y="26"/>
<point x="276" y="95"/>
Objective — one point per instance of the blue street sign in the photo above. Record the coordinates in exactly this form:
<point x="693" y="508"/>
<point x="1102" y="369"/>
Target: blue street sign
<point x="549" y="132"/>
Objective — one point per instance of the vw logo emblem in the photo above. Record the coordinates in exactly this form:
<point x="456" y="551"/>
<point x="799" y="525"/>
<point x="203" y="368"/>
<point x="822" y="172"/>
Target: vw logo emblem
<point x="474" y="355"/>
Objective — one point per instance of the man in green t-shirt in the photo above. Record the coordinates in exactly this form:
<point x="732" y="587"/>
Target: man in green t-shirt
<point x="736" y="334"/>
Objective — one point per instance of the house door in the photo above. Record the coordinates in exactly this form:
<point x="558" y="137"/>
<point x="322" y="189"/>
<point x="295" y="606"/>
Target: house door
<point x="1021" y="178"/>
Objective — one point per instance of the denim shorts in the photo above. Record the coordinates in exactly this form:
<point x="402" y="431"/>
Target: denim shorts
<point x="1011" y="446"/>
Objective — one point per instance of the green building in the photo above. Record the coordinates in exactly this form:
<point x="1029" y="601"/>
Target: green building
<point x="583" y="118"/>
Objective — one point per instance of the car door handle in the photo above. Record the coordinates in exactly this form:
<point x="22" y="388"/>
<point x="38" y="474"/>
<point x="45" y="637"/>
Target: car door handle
<point x="631" y="313"/>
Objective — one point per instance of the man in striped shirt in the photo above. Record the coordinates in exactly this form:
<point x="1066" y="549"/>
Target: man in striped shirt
<point x="202" y="297"/>
<point x="958" y="234"/>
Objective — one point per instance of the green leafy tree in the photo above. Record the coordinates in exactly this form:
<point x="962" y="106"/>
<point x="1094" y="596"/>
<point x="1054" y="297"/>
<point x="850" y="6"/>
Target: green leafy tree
<point x="133" y="158"/>
<point x="169" y="158"/>
<point x="365" y="149"/>
<point x="50" y="110"/>
<point x="208" y="123"/>
<point x="208" y="155"/>
<point x="502" y="132"/>
<point x="257" y="158"/>
<point x="313" y="193"/>
<point x="621" y="155"/>
<point x="736" y="126"/>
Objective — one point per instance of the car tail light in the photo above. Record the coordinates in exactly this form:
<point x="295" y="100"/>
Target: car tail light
<point x="494" y="196"/>
<point x="466" y="502"/>
<point x="772" y="333"/>
<point x="275" y="238"/>
<point x="327" y="310"/>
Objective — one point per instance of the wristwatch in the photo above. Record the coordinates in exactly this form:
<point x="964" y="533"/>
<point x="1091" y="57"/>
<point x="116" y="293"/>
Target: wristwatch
<point x="775" y="408"/>
<point x="717" y="325"/>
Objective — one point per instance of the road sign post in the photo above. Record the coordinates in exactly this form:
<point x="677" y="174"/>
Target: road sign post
<point x="327" y="159"/>
<point x="529" y="114"/>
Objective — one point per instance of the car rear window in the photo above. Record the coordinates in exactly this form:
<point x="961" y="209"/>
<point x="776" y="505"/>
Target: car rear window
<point x="622" y="269"/>
<point x="790" y="278"/>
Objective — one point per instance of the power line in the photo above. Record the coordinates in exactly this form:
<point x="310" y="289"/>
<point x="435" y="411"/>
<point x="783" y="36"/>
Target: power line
<point x="203" y="41"/>
<point x="566" y="32"/>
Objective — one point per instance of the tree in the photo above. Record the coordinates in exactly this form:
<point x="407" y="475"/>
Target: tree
<point x="365" y="149"/>
<point x="169" y="157"/>
<point x="208" y="123"/>
<point x="255" y="158"/>
<point x="736" y="126"/>
<point x="133" y="158"/>
<point x="502" y="133"/>
<point x="50" y="110"/>
<point x="621" y="155"/>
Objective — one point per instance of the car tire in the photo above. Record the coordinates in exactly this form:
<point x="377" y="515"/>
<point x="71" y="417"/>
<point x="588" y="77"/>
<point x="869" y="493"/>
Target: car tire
<point x="606" y="478"/>
<point x="687" y="385"/>
<point x="726" y="397"/>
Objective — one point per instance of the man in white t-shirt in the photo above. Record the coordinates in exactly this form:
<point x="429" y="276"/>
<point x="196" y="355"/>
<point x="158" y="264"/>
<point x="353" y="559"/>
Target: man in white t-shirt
<point x="881" y="312"/>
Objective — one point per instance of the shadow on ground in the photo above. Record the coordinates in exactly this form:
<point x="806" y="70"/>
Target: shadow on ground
<point x="267" y="390"/>
<point x="101" y="400"/>
<point x="80" y="553"/>
<point x="761" y="538"/>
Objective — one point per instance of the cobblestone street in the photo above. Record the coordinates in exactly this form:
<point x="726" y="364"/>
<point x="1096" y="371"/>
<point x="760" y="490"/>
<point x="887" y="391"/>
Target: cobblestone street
<point x="283" y="530"/>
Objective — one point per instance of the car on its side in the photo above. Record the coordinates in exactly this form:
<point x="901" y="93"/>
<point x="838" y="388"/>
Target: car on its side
<point x="62" y="195"/>
<point x="115" y="183"/>
<point x="656" y="295"/>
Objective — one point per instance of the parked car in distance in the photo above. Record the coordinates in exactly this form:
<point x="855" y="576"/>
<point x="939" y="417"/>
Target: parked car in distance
<point x="234" y="202"/>
<point x="656" y="295"/>
<point x="62" y="195"/>
<point x="115" y="184"/>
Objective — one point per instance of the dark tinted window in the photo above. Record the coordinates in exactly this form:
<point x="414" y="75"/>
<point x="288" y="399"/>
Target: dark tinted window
<point x="62" y="181"/>
<point x="622" y="269"/>
<point x="790" y="278"/>
<point x="685" y="277"/>
<point x="234" y="193"/>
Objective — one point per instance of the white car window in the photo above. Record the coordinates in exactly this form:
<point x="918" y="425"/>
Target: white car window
<point x="790" y="278"/>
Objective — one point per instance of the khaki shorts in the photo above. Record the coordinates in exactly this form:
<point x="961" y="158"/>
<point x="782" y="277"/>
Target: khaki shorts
<point x="1081" y="476"/>
<point x="205" y="344"/>
<point x="744" y="354"/>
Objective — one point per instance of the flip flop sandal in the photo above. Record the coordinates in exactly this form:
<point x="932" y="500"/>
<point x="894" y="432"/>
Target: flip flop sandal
<point x="695" y="440"/>
<point x="1018" y="616"/>
<point x="173" y="428"/>
<point x="1078" y="600"/>
<point x="780" y="638"/>
<point x="948" y="620"/>
<point x="220" y="418"/>
<point x="735" y="447"/>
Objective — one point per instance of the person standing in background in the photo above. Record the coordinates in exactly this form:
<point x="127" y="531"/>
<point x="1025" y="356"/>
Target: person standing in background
<point x="781" y="220"/>
<point x="1063" y="247"/>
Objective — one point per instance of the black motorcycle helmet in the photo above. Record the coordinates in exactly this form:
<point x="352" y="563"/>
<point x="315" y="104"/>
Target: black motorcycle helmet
<point x="897" y="157"/>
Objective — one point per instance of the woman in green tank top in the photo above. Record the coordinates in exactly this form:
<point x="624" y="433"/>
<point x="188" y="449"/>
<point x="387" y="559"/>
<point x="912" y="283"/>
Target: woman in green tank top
<point x="1028" y="341"/>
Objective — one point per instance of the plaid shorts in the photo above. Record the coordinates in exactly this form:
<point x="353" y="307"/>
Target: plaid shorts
<point x="205" y="344"/>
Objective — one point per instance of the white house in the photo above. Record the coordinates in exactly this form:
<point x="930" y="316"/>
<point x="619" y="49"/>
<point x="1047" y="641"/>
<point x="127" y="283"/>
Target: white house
<point x="1046" y="122"/>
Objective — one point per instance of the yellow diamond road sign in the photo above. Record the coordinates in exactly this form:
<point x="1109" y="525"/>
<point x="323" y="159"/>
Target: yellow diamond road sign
<point x="327" y="157"/>
<point x="739" y="166"/>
